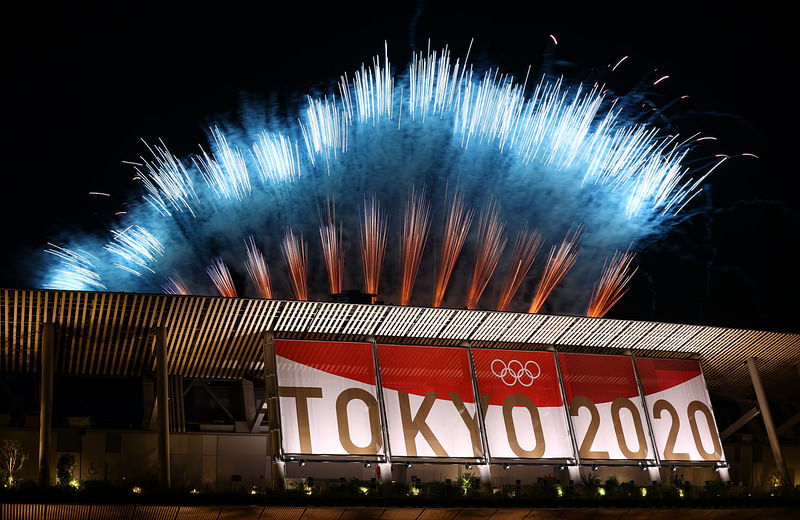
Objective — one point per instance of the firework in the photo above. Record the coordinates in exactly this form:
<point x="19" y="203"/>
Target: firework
<point x="166" y="181"/>
<point x="331" y="238"/>
<point x="257" y="269"/>
<point x="294" y="252"/>
<point x="612" y="283"/>
<point x="489" y="246"/>
<point x="137" y="246"/>
<point x="221" y="277"/>
<point x="76" y="269"/>
<point x="415" y="235"/>
<point x="441" y="121"/>
<point x="374" y="229"/>
<point x="456" y="228"/>
<point x="225" y="171"/>
<point x="174" y="284"/>
<point x="526" y="247"/>
<point x="559" y="262"/>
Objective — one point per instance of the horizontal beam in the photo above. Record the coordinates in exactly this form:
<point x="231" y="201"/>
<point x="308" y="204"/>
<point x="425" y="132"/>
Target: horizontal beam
<point x="741" y="421"/>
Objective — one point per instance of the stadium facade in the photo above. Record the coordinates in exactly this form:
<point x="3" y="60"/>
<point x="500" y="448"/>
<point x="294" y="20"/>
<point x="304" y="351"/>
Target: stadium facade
<point x="232" y="393"/>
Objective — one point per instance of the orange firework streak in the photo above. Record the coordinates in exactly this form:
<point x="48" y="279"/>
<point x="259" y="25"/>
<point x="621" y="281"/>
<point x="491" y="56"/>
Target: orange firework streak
<point x="175" y="285"/>
<point x="331" y="239"/>
<point x="294" y="251"/>
<point x="456" y="228"/>
<point x="526" y="247"/>
<point x="612" y="283"/>
<point x="374" y="230"/>
<point x="559" y="262"/>
<point x="257" y="269"/>
<point x="415" y="235"/>
<point x="221" y="276"/>
<point x="488" y="248"/>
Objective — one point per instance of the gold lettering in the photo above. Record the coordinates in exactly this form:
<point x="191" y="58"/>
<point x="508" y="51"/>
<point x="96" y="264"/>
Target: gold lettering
<point x="301" y="395"/>
<point x="697" y="406"/>
<point x="417" y="424"/>
<point x="471" y="420"/>
<point x="343" y="422"/>
<point x="585" y="450"/>
<point x="669" y="449"/>
<point x="616" y="405"/>
<point x="511" y="431"/>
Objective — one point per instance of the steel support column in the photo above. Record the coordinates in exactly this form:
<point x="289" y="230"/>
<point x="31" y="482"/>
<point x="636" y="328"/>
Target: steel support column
<point x="763" y="405"/>
<point x="273" y="411"/>
<point x="46" y="404"/>
<point x="162" y="398"/>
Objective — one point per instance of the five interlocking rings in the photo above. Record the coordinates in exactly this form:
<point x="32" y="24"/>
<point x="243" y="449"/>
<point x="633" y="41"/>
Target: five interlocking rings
<point x="515" y="372"/>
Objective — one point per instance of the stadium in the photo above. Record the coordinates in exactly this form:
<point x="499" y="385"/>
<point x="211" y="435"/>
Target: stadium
<point x="227" y="384"/>
<point x="237" y="394"/>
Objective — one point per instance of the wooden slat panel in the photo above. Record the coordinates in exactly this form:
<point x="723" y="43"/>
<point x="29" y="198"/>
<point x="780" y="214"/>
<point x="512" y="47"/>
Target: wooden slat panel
<point x="110" y="333"/>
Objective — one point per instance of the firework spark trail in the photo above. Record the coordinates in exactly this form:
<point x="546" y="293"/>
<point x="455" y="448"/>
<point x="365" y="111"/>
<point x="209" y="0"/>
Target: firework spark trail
<point x="612" y="284"/>
<point x="166" y="181"/>
<point x="526" y="247"/>
<point x="456" y="228"/>
<point x="137" y="246"/>
<point x="294" y="252"/>
<point x="374" y="230"/>
<point x="276" y="157"/>
<point x="331" y="238"/>
<point x="415" y="234"/>
<point x="75" y="269"/>
<point x="257" y="269"/>
<point x="225" y="170"/>
<point x="489" y="245"/>
<point x="221" y="277"/>
<point x="174" y="284"/>
<point x="559" y="262"/>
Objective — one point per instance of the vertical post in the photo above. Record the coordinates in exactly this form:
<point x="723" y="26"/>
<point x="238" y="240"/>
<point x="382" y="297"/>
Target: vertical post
<point x="273" y="411"/>
<point x="385" y="467"/>
<point x="654" y="472"/>
<point x="761" y="395"/>
<point x="46" y="403"/>
<point x="162" y="399"/>
<point x="573" y="470"/>
<point x="485" y="469"/>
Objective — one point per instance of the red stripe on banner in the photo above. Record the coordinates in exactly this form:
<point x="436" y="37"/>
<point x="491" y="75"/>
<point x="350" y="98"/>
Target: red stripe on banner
<point x="658" y="374"/>
<point x="343" y="359"/>
<point x="601" y="378"/>
<point x="502" y="373"/>
<point x="420" y="370"/>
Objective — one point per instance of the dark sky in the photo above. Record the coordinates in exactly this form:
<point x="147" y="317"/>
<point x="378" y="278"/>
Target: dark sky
<point x="81" y="84"/>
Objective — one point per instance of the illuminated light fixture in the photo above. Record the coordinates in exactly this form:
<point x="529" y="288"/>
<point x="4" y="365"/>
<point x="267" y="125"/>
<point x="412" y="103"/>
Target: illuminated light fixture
<point x="367" y="464"/>
<point x="469" y="466"/>
<point x="595" y="468"/>
<point x="408" y="464"/>
<point x="562" y="467"/>
<point x="302" y="463"/>
<point x="674" y="468"/>
<point x="506" y="466"/>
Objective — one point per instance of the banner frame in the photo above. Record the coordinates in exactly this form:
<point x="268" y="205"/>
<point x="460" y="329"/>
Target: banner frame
<point x="332" y="457"/>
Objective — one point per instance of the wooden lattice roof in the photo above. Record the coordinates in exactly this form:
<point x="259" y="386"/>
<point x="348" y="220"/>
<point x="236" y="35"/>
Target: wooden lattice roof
<point x="102" y="333"/>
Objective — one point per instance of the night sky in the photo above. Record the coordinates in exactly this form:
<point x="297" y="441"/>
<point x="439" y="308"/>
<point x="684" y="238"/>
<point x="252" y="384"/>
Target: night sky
<point x="82" y="84"/>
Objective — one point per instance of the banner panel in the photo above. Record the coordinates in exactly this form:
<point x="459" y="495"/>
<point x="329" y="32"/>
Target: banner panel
<point x="430" y="401"/>
<point x="328" y="398"/>
<point x="606" y="407"/>
<point x="677" y="400"/>
<point x="522" y="406"/>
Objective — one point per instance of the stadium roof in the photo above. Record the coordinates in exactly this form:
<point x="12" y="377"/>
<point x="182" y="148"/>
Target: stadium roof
<point x="102" y="333"/>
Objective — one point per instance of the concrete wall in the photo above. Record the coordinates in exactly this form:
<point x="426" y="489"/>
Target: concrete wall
<point x="214" y="461"/>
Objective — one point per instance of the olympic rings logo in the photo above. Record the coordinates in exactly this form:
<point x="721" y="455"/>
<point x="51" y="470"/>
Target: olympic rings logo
<point x="515" y="372"/>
